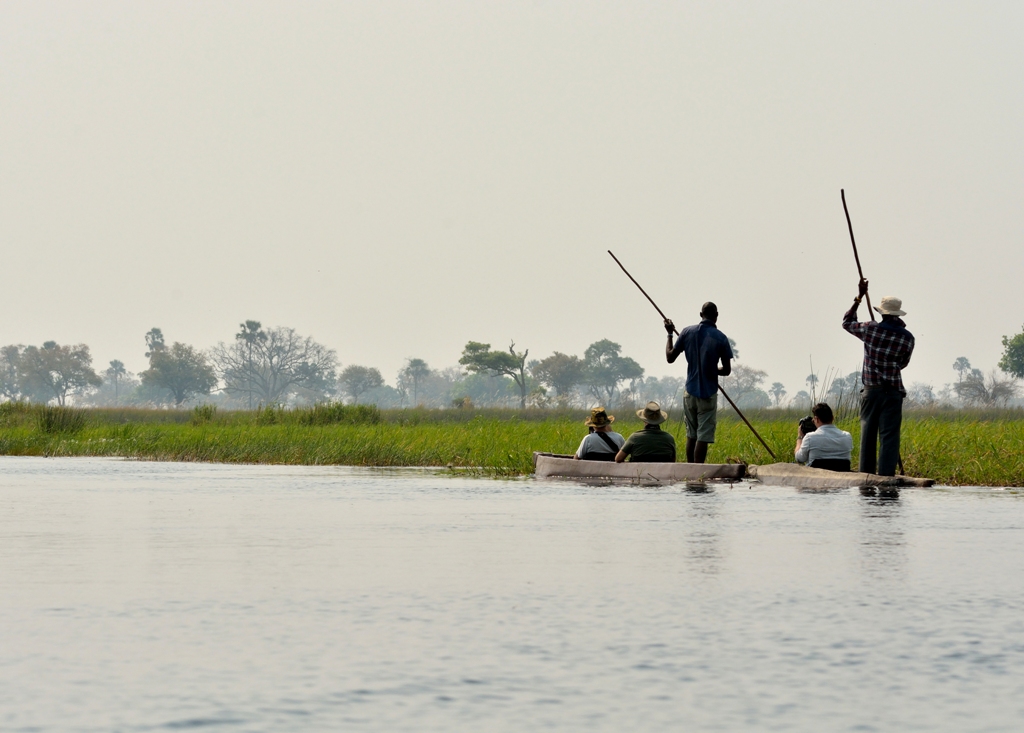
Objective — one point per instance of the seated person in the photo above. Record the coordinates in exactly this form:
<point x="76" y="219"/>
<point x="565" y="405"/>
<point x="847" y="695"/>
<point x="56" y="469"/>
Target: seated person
<point x="827" y="446"/>
<point x="652" y="444"/>
<point x="602" y="444"/>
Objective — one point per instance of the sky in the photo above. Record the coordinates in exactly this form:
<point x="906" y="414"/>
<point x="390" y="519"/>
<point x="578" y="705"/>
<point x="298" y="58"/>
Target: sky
<point x="396" y="179"/>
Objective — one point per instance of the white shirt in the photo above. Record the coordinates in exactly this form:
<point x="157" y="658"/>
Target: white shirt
<point x="828" y="441"/>
<point x="593" y="444"/>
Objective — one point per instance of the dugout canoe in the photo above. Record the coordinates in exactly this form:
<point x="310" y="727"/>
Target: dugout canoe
<point x="553" y="465"/>
<point x="802" y="477"/>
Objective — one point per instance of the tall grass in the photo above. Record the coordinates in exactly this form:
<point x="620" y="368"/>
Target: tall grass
<point x="953" y="447"/>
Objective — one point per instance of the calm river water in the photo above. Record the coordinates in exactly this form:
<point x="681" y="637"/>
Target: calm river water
<point x="150" y="596"/>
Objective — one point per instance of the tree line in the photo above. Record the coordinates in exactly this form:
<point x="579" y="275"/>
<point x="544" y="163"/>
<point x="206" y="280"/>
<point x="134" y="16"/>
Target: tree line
<point x="264" y="366"/>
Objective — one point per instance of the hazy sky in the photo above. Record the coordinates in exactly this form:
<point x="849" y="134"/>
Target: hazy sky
<point x="396" y="179"/>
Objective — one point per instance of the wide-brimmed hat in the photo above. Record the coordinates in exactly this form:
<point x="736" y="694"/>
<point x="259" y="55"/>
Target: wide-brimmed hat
<point x="652" y="414"/>
<point x="891" y="306"/>
<point x="599" y="418"/>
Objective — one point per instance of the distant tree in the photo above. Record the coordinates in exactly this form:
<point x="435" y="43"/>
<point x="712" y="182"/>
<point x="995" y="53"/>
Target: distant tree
<point x="668" y="391"/>
<point x="744" y="386"/>
<point x="180" y="369"/>
<point x="115" y="373"/>
<point x="961" y="366"/>
<point x="275" y="364"/>
<point x="604" y="369"/>
<point x="801" y="400"/>
<point x="812" y="380"/>
<point x="413" y="374"/>
<point x="560" y="372"/>
<point x="735" y="348"/>
<point x="10" y="361"/>
<point x="478" y="358"/>
<point x="777" y="391"/>
<point x="57" y="371"/>
<point x="154" y="341"/>
<point x="920" y="395"/>
<point x="975" y="390"/>
<point x="356" y="380"/>
<point x="1012" y="361"/>
<point x="842" y="387"/>
<point x="252" y="333"/>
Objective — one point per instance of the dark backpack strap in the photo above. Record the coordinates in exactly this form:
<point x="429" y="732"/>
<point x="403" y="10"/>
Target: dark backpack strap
<point x="607" y="440"/>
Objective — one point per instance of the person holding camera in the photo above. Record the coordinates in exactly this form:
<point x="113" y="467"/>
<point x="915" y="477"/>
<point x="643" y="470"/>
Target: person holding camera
<point x="820" y="444"/>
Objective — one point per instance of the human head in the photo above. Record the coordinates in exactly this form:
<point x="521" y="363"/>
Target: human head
<point x="891" y="306"/>
<point x="599" y="418"/>
<point x="823" y="412"/>
<point x="709" y="311"/>
<point x="652" y="414"/>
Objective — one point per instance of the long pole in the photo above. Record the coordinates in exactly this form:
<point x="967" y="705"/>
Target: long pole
<point x="842" y="193"/>
<point x="720" y="389"/>
<point x="871" y="311"/>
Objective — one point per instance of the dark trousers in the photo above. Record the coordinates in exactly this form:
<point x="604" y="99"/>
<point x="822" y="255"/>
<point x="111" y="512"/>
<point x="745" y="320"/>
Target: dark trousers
<point x="881" y="415"/>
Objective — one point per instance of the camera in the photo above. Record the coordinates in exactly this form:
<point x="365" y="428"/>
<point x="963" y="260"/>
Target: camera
<point x="807" y="425"/>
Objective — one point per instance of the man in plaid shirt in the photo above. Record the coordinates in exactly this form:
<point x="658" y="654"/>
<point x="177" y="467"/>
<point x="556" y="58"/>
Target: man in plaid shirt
<point x="887" y="349"/>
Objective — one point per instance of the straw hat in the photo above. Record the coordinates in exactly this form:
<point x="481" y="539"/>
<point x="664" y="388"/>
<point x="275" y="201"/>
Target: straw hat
<point x="599" y="418"/>
<point x="652" y="414"/>
<point x="891" y="306"/>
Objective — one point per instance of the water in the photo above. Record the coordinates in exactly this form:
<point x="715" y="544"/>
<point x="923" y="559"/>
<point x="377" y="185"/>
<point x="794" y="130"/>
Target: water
<point x="148" y="596"/>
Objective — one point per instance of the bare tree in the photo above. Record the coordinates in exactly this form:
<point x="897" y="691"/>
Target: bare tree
<point x="975" y="390"/>
<point x="276" y="366"/>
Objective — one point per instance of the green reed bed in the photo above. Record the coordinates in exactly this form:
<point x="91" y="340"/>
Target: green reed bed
<point x="956" y="448"/>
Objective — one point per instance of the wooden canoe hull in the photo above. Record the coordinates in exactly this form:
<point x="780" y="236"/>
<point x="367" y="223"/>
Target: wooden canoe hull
<point x="802" y="477"/>
<point x="549" y="465"/>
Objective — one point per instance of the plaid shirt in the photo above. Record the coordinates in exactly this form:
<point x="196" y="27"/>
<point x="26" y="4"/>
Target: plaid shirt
<point x="887" y="349"/>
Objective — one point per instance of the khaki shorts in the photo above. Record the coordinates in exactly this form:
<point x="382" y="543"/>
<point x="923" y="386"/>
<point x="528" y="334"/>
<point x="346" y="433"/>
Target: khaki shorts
<point x="701" y="417"/>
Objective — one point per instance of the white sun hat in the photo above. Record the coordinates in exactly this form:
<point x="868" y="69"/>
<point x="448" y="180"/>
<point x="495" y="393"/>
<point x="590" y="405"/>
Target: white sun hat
<point x="891" y="306"/>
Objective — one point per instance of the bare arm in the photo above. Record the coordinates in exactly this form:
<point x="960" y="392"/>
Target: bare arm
<point x="620" y="457"/>
<point x="726" y="368"/>
<point x="670" y="353"/>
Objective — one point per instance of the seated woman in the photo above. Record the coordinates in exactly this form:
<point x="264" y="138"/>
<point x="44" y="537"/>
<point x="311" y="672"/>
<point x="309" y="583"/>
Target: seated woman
<point x="602" y="443"/>
<point x="652" y="444"/>
<point x="826" y="446"/>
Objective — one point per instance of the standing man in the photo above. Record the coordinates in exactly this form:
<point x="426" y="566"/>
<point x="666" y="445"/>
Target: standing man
<point x="888" y="346"/>
<point x="705" y="346"/>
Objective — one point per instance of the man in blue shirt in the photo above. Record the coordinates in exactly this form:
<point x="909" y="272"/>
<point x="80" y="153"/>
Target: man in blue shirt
<point x="705" y="346"/>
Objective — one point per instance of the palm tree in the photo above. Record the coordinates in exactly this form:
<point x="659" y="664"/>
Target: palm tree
<point x="115" y="371"/>
<point x="251" y="333"/>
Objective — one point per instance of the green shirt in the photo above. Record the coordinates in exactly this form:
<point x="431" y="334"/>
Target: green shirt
<point x="652" y="444"/>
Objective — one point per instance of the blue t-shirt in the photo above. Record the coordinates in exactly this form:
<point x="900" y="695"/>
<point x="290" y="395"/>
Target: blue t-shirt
<point x="704" y="345"/>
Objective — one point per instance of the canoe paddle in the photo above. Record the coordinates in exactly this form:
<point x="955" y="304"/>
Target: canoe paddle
<point x="720" y="389"/>
<point x="871" y="311"/>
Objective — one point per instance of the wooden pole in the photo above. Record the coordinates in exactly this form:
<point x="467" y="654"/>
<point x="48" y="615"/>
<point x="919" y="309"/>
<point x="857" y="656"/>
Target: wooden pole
<point x="665" y="318"/>
<point x="842" y="193"/>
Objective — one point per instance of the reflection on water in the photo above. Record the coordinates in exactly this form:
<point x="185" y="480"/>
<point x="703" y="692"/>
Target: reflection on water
<point x="704" y="540"/>
<point x="883" y="542"/>
<point x="142" y="596"/>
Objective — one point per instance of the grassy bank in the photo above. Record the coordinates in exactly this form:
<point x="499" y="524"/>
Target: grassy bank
<point x="954" y="447"/>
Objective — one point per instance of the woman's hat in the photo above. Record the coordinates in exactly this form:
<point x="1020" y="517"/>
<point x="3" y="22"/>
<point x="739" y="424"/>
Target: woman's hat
<point x="891" y="306"/>
<point x="599" y="418"/>
<point x="652" y="414"/>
